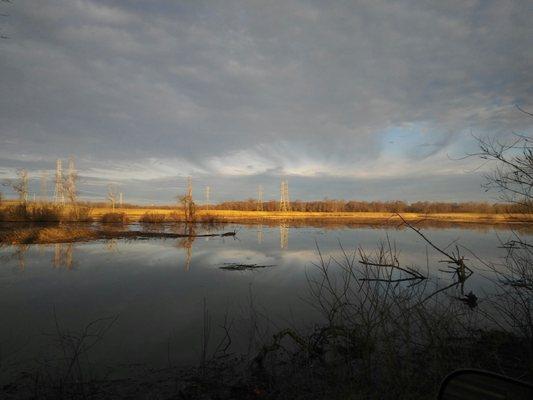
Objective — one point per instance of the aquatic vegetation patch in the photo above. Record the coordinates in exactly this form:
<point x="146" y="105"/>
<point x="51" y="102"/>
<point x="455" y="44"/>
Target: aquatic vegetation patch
<point x="243" y="267"/>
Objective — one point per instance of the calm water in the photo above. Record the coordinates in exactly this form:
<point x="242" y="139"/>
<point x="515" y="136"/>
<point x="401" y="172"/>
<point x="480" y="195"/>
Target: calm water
<point x="157" y="287"/>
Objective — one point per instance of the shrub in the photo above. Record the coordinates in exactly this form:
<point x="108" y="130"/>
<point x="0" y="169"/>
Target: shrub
<point x="176" y="217"/>
<point x="151" y="217"/>
<point x="33" y="213"/>
<point x="208" y="219"/>
<point x="115" y="218"/>
<point x="45" y="213"/>
<point x="79" y="214"/>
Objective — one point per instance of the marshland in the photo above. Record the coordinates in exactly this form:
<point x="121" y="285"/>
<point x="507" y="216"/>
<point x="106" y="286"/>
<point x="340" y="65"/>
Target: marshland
<point x="284" y="199"/>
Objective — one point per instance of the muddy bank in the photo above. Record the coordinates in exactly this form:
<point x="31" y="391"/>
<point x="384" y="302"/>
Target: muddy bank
<point x="46" y="235"/>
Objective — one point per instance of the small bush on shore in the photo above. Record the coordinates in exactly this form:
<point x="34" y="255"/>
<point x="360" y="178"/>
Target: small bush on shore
<point x="45" y="213"/>
<point x="115" y="218"/>
<point x="176" y="217"/>
<point x="78" y="214"/>
<point x="151" y="217"/>
<point x="208" y="219"/>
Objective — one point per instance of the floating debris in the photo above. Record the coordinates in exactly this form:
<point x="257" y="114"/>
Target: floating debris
<point x="470" y="300"/>
<point x="243" y="267"/>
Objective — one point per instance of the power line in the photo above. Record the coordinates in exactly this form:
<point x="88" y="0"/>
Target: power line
<point x="260" y="198"/>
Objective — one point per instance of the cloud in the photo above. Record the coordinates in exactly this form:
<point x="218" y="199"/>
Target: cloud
<point x="240" y="89"/>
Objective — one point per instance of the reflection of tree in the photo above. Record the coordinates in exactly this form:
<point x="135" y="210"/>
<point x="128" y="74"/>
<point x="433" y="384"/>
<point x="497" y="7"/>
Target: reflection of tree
<point x="186" y="243"/>
<point x="63" y="255"/>
<point x="19" y="254"/>
<point x="111" y="245"/>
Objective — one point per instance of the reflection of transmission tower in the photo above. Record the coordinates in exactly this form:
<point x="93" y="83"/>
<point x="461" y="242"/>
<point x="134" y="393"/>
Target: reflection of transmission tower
<point x="59" y="194"/>
<point x="283" y="236"/>
<point x="285" y="203"/>
<point x="259" y="234"/>
<point x="260" y="198"/>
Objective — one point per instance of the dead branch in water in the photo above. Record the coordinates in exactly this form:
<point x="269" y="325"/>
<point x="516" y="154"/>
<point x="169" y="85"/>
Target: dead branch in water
<point x="62" y="235"/>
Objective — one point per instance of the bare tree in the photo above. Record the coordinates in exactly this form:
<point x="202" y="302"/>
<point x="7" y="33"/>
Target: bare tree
<point x="512" y="174"/>
<point x="20" y="185"/>
<point x="512" y="178"/>
<point x="189" y="207"/>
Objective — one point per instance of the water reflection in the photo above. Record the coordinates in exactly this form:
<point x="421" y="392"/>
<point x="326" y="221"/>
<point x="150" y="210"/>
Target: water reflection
<point x="63" y="255"/>
<point x="111" y="245"/>
<point x="259" y="234"/>
<point x="187" y="242"/>
<point x="156" y="300"/>
<point x="284" y="236"/>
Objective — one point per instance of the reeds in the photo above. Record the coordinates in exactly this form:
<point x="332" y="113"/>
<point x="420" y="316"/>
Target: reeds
<point x="115" y="218"/>
<point x="151" y="217"/>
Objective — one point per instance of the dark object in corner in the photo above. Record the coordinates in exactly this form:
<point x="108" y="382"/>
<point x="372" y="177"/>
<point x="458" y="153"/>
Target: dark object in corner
<point x="472" y="384"/>
<point x="470" y="300"/>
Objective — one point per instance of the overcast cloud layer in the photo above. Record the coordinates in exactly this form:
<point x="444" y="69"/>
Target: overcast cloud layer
<point x="348" y="99"/>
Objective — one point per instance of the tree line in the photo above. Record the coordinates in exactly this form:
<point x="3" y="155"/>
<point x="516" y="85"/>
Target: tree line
<point x="328" y="205"/>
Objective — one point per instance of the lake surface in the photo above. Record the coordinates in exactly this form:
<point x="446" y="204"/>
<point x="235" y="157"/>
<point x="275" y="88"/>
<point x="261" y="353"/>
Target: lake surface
<point x="163" y="290"/>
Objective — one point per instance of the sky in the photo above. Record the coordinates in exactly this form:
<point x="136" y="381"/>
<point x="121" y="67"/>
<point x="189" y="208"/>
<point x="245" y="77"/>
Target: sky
<point x="368" y="100"/>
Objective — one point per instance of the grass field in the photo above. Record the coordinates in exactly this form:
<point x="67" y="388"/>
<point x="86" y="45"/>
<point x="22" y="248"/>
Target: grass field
<point x="134" y="214"/>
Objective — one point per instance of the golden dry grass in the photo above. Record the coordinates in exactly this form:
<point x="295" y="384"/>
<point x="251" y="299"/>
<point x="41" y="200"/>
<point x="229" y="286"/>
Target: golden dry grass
<point x="47" y="235"/>
<point x="135" y="214"/>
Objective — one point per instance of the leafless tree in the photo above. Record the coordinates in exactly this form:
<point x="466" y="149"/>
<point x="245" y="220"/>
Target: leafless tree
<point x="512" y="178"/>
<point x="512" y="172"/>
<point x="20" y="185"/>
<point x="189" y="207"/>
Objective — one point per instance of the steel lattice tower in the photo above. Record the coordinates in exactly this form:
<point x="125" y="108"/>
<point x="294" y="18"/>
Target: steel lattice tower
<point x="260" y="198"/>
<point x="285" y="203"/>
<point x="207" y="193"/>
<point x="59" y="194"/>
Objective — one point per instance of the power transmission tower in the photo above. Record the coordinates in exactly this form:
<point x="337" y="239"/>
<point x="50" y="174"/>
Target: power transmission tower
<point x="121" y="199"/>
<point x="260" y="198"/>
<point x="44" y="186"/>
<point x="207" y="193"/>
<point x="112" y="195"/>
<point x="285" y="203"/>
<point x="59" y="194"/>
<point x="70" y="187"/>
